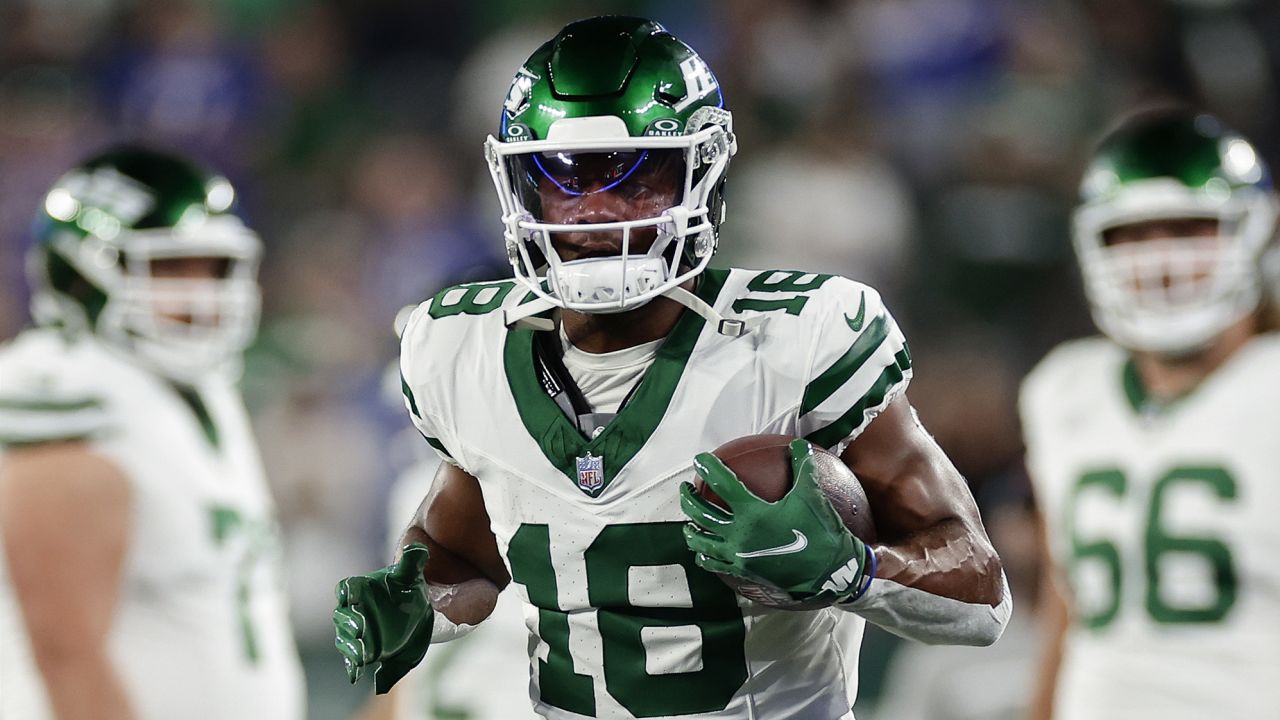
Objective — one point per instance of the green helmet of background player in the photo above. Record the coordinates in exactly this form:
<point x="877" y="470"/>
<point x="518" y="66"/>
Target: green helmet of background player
<point x="103" y="227"/>
<point x="1174" y="295"/>
<point x="622" y="94"/>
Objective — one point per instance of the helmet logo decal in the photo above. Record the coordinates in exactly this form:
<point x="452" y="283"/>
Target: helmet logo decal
<point x="518" y="96"/>
<point x="110" y="190"/>
<point x="698" y="82"/>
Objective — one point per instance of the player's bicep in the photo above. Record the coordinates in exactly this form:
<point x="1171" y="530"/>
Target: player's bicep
<point x="65" y="514"/>
<point x="465" y="572"/>
<point x="457" y="530"/>
<point x="910" y="482"/>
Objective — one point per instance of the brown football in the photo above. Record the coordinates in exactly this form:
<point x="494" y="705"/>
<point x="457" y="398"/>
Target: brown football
<point x="763" y="464"/>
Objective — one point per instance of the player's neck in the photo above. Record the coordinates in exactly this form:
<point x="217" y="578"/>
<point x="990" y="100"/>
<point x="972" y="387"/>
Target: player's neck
<point x="1166" y="378"/>
<point x="594" y="333"/>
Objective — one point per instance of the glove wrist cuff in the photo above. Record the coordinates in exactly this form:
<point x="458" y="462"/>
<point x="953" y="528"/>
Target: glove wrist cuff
<point x="869" y="566"/>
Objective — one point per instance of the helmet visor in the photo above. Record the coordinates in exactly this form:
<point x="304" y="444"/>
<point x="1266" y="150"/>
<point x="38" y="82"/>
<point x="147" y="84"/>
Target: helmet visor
<point x="653" y="179"/>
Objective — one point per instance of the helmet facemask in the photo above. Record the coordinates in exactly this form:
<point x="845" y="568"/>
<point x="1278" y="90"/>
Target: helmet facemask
<point x="181" y="327"/>
<point x="596" y="155"/>
<point x="1174" y="295"/>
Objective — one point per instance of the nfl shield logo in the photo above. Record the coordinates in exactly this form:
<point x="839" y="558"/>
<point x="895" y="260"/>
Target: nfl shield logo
<point x="591" y="473"/>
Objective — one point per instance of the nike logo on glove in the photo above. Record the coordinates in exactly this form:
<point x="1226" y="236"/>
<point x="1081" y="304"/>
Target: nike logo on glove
<point x="801" y="542"/>
<point x="855" y="322"/>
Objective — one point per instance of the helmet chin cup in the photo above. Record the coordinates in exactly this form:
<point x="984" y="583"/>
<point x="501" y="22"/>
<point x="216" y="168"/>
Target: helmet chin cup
<point x="608" y="285"/>
<point x="222" y="318"/>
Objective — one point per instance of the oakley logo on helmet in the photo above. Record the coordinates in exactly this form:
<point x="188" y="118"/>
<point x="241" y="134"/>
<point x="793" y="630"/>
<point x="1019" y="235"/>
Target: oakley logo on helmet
<point x="664" y="127"/>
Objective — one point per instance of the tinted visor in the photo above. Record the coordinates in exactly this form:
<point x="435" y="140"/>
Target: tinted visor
<point x="574" y="174"/>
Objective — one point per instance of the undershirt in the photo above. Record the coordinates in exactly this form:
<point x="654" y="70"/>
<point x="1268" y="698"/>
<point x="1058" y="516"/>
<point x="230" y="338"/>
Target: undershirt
<point x="606" y="378"/>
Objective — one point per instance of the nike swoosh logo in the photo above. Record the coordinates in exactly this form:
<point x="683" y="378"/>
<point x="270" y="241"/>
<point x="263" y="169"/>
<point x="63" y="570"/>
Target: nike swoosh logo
<point x="801" y="542"/>
<point x="855" y="322"/>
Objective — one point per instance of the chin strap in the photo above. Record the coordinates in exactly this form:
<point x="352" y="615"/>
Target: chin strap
<point x="731" y="327"/>
<point x="524" y="317"/>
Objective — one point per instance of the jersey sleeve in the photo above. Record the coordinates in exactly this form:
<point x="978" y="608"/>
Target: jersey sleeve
<point x="43" y="399"/>
<point x="420" y="366"/>
<point x="859" y="364"/>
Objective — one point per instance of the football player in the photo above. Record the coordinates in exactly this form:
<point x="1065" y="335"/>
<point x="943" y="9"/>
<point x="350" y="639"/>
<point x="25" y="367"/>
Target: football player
<point x="139" y="568"/>
<point x="1153" y="449"/>
<point x="570" y="402"/>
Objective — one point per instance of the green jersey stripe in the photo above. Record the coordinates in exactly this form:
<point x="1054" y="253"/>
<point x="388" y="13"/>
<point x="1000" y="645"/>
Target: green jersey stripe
<point x="408" y="396"/>
<point x="195" y="402"/>
<point x="46" y="405"/>
<point x="28" y="440"/>
<point x="34" y="428"/>
<point x="49" y="423"/>
<point x="439" y="446"/>
<point x="831" y="379"/>
<point x="843" y="426"/>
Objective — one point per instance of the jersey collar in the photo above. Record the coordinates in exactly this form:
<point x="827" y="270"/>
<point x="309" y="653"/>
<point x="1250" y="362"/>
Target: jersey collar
<point x="614" y="446"/>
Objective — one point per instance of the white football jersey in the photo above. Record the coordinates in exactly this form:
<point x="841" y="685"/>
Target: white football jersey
<point x="1165" y="520"/>
<point x="622" y="623"/>
<point x="201" y="630"/>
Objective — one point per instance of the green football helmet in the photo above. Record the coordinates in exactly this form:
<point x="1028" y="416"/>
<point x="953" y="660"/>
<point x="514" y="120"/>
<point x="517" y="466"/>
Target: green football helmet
<point x="1174" y="295"/>
<point x="605" y="101"/>
<point x="103" y="226"/>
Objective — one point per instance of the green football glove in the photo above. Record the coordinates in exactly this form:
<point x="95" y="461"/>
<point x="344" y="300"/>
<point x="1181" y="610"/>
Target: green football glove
<point x="385" y="617"/>
<point x="797" y="544"/>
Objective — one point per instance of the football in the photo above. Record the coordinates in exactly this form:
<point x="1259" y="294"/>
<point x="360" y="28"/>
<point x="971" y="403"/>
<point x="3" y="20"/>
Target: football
<point x="763" y="464"/>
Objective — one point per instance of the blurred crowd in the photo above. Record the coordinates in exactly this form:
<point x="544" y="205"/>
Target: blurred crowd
<point x="928" y="147"/>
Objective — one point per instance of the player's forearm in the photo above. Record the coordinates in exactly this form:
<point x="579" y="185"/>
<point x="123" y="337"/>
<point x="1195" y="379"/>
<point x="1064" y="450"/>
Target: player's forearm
<point x="949" y="560"/>
<point x="82" y="684"/>
<point x="1054" y="616"/>
<point x="460" y="606"/>
<point x="1046" y="683"/>
<point x="415" y="533"/>
<point x="944" y="585"/>
<point x="918" y="615"/>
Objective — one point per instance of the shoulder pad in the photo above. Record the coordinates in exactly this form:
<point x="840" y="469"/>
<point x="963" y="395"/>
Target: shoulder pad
<point x="47" y="392"/>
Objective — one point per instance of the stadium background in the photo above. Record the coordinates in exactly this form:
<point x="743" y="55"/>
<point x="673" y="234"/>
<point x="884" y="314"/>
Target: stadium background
<point x="928" y="147"/>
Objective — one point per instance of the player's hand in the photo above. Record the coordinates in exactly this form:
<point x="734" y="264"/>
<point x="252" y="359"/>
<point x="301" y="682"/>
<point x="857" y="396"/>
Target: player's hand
<point x="797" y="544"/>
<point x="385" y="617"/>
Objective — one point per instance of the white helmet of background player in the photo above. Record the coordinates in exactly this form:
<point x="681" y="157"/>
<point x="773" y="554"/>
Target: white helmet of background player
<point x="1174" y="295"/>
<point x="102" y="226"/>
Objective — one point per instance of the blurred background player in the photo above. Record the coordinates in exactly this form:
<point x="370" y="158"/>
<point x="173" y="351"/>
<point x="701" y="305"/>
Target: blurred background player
<point x="140" y="574"/>
<point x="1153" y="449"/>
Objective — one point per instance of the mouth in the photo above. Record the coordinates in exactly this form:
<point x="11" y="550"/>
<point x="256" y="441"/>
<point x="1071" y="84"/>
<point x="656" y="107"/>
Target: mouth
<point x="596" y="244"/>
<point x="585" y="246"/>
<point x="596" y="252"/>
